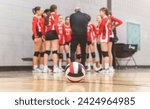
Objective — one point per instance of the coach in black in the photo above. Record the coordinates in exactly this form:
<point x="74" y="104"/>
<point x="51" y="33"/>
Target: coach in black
<point x="79" y="22"/>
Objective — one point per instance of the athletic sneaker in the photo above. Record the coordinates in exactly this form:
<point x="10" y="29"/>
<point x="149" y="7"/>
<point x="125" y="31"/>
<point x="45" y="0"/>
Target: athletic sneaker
<point x="61" y="69"/>
<point x="95" y="67"/>
<point x="41" y="67"/>
<point x="112" y="70"/>
<point x="46" y="69"/>
<point x="56" y="70"/>
<point x="37" y="70"/>
<point x="106" y="70"/>
<point x="88" y="68"/>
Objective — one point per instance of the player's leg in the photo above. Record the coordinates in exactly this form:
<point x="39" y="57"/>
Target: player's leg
<point x="92" y="49"/>
<point x="110" y="57"/>
<point x="87" y="57"/>
<point x="78" y="53"/>
<point x="104" y="46"/>
<point x="55" y="47"/>
<point x="67" y="50"/>
<point x="37" y="47"/>
<point x="61" y="49"/>
<point x="46" y="56"/>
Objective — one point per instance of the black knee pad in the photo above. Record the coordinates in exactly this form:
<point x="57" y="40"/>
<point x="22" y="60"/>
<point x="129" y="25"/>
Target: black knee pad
<point x="47" y="52"/>
<point x="42" y="54"/>
<point x="104" y="53"/>
<point x="78" y="56"/>
<point x="60" y="56"/>
<point x="87" y="55"/>
<point x="36" y="53"/>
<point x="67" y="55"/>
<point x="55" y="52"/>
<point x="93" y="54"/>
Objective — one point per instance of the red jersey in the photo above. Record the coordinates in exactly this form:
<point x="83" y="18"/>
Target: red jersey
<point x="67" y="33"/>
<point x="116" y="20"/>
<point x="53" y="20"/>
<point x="90" y="33"/>
<point x="96" y="30"/>
<point x="105" y="30"/>
<point x="38" y="26"/>
<point x="60" y="29"/>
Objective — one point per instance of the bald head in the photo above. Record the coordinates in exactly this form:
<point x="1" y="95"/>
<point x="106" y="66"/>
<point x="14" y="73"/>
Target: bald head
<point x="77" y="9"/>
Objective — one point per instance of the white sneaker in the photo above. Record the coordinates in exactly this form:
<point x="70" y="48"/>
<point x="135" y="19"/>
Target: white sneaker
<point x="41" y="67"/>
<point x="37" y="70"/>
<point x="102" y="70"/>
<point x="46" y="69"/>
<point x="107" y="71"/>
<point x="61" y="69"/>
<point x="112" y="70"/>
<point x="88" y="68"/>
<point x="95" y="68"/>
<point x="56" y="70"/>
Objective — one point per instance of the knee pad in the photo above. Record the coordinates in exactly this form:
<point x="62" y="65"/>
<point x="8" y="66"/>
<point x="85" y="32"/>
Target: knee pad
<point x="47" y="52"/>
<point x="104" y="53"/>
<point x="42" y="54"/>
<point x="93" y="54"/>
<point x="78" y="56"/>
<point x="55" y="52"/>
<point x="87" y="55"/>
<point x="67" y="55"/>
<point x="60" y="56"/>
<point x="36" y="53"/>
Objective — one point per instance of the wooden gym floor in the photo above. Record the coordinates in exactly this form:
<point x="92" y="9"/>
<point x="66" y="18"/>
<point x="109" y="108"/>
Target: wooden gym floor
<point x="127" y="80"/>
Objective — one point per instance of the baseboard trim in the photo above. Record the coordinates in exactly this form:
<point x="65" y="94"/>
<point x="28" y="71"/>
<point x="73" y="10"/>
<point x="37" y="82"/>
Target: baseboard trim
<point x="29" y="68"/>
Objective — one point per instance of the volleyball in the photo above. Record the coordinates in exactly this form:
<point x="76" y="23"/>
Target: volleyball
<point x="75" y="72"/>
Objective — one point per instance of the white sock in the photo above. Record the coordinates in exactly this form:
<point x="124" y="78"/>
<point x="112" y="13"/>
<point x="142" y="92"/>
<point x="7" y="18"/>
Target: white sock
<point x="35" y="67"/>
<point x="106" y="65"/>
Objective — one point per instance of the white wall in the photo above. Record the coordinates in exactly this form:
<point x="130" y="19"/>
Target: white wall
<point x="16" y="17"/>
<point x="135" y="11"/>
<point x="15" y="25"/>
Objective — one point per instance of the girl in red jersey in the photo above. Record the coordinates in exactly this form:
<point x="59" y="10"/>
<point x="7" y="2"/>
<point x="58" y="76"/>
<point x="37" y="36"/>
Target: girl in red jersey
<point x="104" y="31"/>
<point x="60" y="29"/>
<point x="52" y="39"/>
<point x="115" y="22"/>
<point x="67" y="35"/>
<point x="96" y="32"/>
<point x="90" y="46"/>
<point x="38" y="33"/>
<point x="44" y="16"/>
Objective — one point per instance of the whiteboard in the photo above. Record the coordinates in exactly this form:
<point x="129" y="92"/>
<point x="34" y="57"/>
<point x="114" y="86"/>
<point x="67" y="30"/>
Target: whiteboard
<point x="134" y="34"/>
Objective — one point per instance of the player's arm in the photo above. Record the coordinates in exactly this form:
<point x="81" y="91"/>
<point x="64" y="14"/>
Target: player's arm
<point x="117" y="21"/>
<point x="34" y="24"/>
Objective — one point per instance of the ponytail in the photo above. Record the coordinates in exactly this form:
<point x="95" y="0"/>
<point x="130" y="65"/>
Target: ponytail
<point x="34" y="10"/>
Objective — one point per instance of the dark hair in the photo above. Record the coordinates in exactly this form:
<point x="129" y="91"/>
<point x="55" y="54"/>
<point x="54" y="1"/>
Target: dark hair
<point x="67" y="17"/>
<point x="105" y="10"/>
<point x="53" y="7"/>
<point x="46" y="11"/>
<point x="89" y="17"/>
<point x="37" y="8"/>
<point x="110" y="13"/>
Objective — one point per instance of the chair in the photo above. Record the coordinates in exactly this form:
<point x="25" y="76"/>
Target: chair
<point x="125" y="51"/>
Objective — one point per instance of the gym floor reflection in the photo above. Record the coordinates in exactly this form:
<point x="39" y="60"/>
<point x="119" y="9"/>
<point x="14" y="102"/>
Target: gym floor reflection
<point x="127" y="80"/>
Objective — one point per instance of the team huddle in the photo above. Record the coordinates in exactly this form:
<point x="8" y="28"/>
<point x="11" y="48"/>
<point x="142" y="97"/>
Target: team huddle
<point x="53" y="34"/>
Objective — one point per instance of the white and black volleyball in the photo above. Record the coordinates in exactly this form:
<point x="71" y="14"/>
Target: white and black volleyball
<point x="75" y="72"/>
